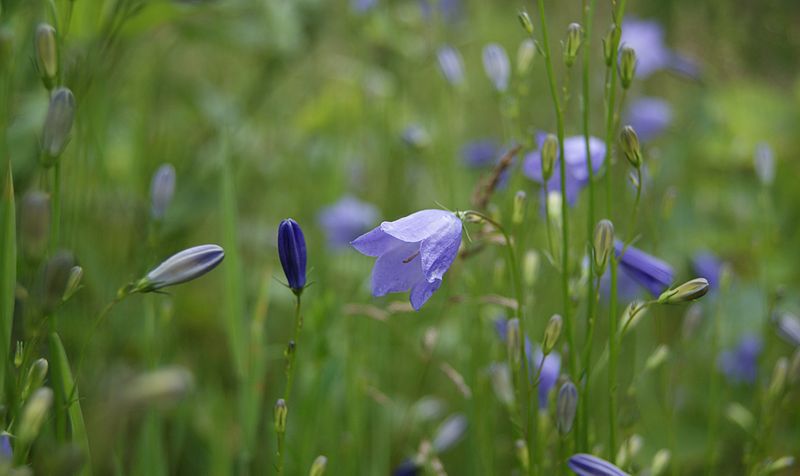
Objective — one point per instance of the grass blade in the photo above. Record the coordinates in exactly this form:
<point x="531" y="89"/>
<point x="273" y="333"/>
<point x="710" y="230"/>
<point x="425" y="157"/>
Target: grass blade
<point x="8" y="271"/>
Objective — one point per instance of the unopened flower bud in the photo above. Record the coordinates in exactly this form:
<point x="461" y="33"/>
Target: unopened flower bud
<point x="629" y="449"/>
<point x="660" y="462"/>
<point x="73" y="283"/>
<point x="608" y="44"/>
<point x="530" y="267"/>
<point x="318" y="467"/>
<point x="34" y="223"/>
<point x="525" y="55"/>
<point x="35" y="378"/>
<point x="162" y="187"/>
<point x="47" y="54"/>
<point x="566" y="405"/>
<point x="549" y="154"/>
<point x="658" y="357"/>
<point x="164" y="386"/>
<point x="57" y="125"/>
<point x="449" y="433"/>
<point x="572" y="43"/>
<point x="551" y="333"/>
<point x="740" y="415"/>
<point x="627" y="66"/>
<point x="602" y="245"/>
<point x="525" y="21"/>
<point x="518" y="213"/>
<point x="19" y="354"/>
<point x="292" y="253"/>
<point x="779" y="377"/>
<point x="497" y="66"/>
<point x="514" y="341"/>
<point x="779" y="465"/>
<point x="57" y="273"/>
<point x="629" y="143"/>
<point x="33" y="415"/>
<point x="185" y="266"/>
<point x="280" y="412"/>
<point x="688" y="291"/>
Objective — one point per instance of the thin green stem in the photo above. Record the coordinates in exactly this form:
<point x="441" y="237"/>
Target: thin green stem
<point x="56" y="201"/>
<point x="291" y="356"/>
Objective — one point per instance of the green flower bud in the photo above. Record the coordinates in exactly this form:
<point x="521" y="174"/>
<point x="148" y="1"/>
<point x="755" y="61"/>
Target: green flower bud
<point x="658" y="357"/>
<point x="603" y="244"/>
<point x="688" y="291"/>
<point x="627" y="66"/>
<point x="525" y="21"/>
<point x="34" y="223"/>
<point x="572" y="43"/>
<point x="740" y="415"/>
<point x="530" y="267"/>
<point x="518" y="213"/>
<point x="280" y="412"/>
<point x="660" y="462"/>
<point x="318" y="468"/>
<point x="35" y="378"/>
<point x="629" y="143"/>
<point x="33" y="415"/>
<point x="551" y="334"/>
<point x="19" y="354"/>
<point x="73" y="283"/>
<point x="608" y="43"/>
<point x="549" y="154"/>
<point x="525" y="55"/>
<point x="57" y="125"/>
<point x="514" y="341"/>
<point x="779" y="377"/>
<point x="47" y="54"/>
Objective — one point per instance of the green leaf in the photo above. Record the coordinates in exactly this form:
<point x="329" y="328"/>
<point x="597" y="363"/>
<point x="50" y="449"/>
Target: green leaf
<point x="8" y="271"/>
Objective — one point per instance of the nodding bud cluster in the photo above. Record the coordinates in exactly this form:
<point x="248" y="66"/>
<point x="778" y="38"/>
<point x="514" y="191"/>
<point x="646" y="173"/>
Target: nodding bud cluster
<point x="549" y="154"/>
<point x="185" y="266"/>
<point x="525" y="55"/>
<point x="602" y="245"/>
<point x="514" y="341"/>
<point x="551" y="334"/>
<point x="318" y="467"/>
<point x="572" y="43"/>
<point x="629" y="143"/>
<point x="35" y="378"/>
<point x="608" y="45"/>
<point x="518" y="213"/>
<point x="566" y="405"/>
<point x="779" y="378"/>
<point x="33" y="415"/>
<point x="525" y="21"/>
<point x="164" y="386"/>
<point x="627" y="66"/>
<point x="47" y="54"/>
<point x="688" y="291"/>
<point x="162" y="187"/>
<point x="57" y="125"/>
<point x="280" y="412"/>
<point x="292" y="253"/>
<point x="34" y="222"/>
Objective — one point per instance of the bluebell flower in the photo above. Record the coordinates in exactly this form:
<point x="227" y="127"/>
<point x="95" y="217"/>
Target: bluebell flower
<point x="740" y="364"/>
<point x="649" y="117"/>
<point x="764" y="161"/>
<point x="584" y="464"/>
<point x="413" y="253"/>
<point x="451" y="64"/>
<point x="576" y="160"/>
<point x="346" y="219"/>
<point x="185" y="266"/>
<point x="648" y="271"/>
<point x="482" y="153"/>
<point x="646" y="37"/>
<point x="497" y="66"/>
<point x="162" y="187"/>
<point x="706" y="265"/>
<point x="788" y="326"/>
<point x="292" y="253"/>
<point x="551" y="367"/>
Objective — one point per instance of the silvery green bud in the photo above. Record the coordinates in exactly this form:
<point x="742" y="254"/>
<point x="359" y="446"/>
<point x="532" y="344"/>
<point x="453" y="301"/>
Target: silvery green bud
<point x="632" y="315"/>
<point x="318" y="467"/>
<point x="33" y="415"/>
<point x="779" y="376"/>
<point x="549" y="154"/>
<point x="57" y="125"/>
<point x="34" y="222"/>
<point x="627" y="66"/>
<point x="573" y="43"/>
<point x="514" y="341"/>
<point x="530" y="267"/>
<point x="660" y="462"/>
<point x="566" y="405"/>
<point x="47" y="54"/>
<point x="658" y="357"/>
<point x="608" y="44"/>
<point x="602" y="245"/>
<point x="740" y="415"/>
<point x="794" y="368"/>
<point x="525" y="21"/>
<point x="518" y="212"/>
<point x="73" y="283"/>
<point x="160" y="387"/>
<point x="162" y="187"/>
<point x="688" y="291"/>
<point x="35" y="378"/>
<point x="181" y="267"/>
<point x="629" y="143"/>
<point x="779" y="465"/>
<point x="525" y="55"/>
<point x="551" y="334"/>
<point x="449" y="433"/>
<point x="629" y="449"/>
<point x="280" y="412"/>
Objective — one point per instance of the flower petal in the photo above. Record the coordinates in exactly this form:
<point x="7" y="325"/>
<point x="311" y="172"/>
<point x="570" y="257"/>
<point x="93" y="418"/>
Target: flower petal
<point x="374" y="243"/>
<point x="395" y="272"/>
<point x="422" y="291"/>
<point x="418" y="226"/>
<point x="439" y="250"/>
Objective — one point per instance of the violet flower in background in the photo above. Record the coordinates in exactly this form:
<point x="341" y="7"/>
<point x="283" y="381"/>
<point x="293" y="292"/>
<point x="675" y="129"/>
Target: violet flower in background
<point x="413" y="253"/>
<point x="764" y="162"/>
<point x="497" y="66"/>
<point x="649" y="117"/>
<point x="415" y="136"/>
<point x="162" y="187"/>
<point x="346" y="219"/>
<point x="451" y="65"/>
<point x="788" y="326"/>
<point x="648" y="271"/>
<point x="706" y="265"/>
<point x="362" y="6"/>
<point x="479" y="154"/>
<point x="584" y="464"/>
<point x="448" y="9"/>
<point x="292" y="253"/>
<point x="740" y="364"/>
<point x="407" y="468"/>
<point x="646" y="37"/>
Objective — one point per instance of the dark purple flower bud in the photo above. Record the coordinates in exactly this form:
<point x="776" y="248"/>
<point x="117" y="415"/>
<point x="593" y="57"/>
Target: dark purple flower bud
<point x="741" y="363"/>
<point x="185" y="266"/>
<point x="407" y="468"/>
<point x="648" y="271"/>
<point x="162" y="187"/>
<point x="587" y="465"/>
<point x="292" y="252"/>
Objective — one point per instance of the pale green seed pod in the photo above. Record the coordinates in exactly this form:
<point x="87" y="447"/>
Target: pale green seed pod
<point x="549" y="155"/>
<point x="627" y="66"/>
<point x="514" y="341"/>
<point x="779" y="376"/>
<point x="518" y="212"/>
<point x="688" y="291"/>
<point x="525" y="21"/>
<point x="280" y="412"/>
<point x="551" y="334"/>
<point x="57" y="125"/>
<point x="33" y="415"/>
<point x="603" y="244"/>
<point x="47" y="54"/>
<point x="572" y="44"/>
<point x="35" y="378"/>
<point x="629" y="143"/>
<point x="318" y="467"/>
<point x="660" y="462"/>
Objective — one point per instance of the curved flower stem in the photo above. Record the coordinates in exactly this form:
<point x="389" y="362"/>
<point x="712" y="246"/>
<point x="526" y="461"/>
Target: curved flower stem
<point x="56" y="218"/>
<point x="290" y="364"/>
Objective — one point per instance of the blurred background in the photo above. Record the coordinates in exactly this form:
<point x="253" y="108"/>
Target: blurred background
<point x="277" y="109"/>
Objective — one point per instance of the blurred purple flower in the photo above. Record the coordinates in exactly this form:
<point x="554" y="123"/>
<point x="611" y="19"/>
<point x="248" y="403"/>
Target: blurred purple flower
<point x="764" y="162"/>
<point x="648" y="271"/>
<point x="449" y="9"/>
<point x="162" y="187"/>
<point x="346" y="219"/>
<point x="789" y="328"/>
<point x="407" y="468"/>
<point x="414" y="135"/>
<point x="5" y="447"/>
<point x="413" y="253"/>
<point x="480" y="153"/>
<point x="576" y="158"/>
<point x="584" y="464"/>
<point x="646" y="37"/>
<point x="706" y="265"/>
<point x="362" y="6"/>
<point x="451" y="64"/>
<point x="740" y="364"/>
<point x="649" y="117"/>
<point x="497" y="66"/>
